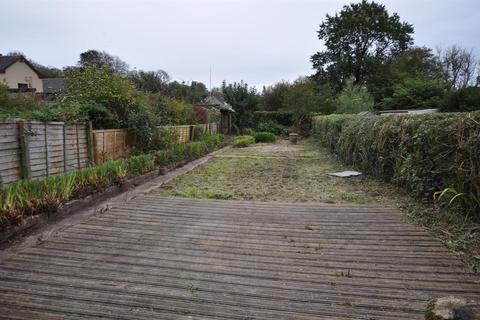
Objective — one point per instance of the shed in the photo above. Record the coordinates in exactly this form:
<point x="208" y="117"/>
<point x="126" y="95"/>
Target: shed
<point x="226" y="111"/>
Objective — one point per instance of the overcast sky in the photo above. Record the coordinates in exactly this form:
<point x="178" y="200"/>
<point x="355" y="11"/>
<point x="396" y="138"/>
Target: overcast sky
<point x="258" y="41"/>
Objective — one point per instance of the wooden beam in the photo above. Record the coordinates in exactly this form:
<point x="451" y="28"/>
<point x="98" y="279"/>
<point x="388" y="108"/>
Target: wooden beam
<point x="26" y="171"/>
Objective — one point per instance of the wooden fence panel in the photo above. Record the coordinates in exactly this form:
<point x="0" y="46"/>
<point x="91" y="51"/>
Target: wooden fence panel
<point x="34" y="149"/>
<point x="111" y="144"/>
<point x="10" y="158"/>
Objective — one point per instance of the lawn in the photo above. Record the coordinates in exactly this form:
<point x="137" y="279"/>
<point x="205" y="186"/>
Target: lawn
<point x="277" y="172"/>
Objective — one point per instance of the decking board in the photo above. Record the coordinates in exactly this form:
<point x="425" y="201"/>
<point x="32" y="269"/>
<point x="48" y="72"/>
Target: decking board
<point x="174" y="258"/>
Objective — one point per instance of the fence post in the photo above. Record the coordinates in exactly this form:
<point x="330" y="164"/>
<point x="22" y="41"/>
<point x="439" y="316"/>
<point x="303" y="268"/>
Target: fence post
<point x="78" y="146"/>
<point x="47" y="168"/>
<point x="64" y="148"/>
<point x="90" y="143"/>
<point x="24" y="151"/>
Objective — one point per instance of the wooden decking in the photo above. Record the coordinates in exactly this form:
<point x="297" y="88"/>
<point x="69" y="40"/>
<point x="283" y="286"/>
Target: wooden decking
<point x="171" y="258"/>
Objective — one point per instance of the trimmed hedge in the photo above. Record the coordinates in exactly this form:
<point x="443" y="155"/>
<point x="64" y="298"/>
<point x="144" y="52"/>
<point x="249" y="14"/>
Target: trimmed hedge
<point x="33" y="197"/>
<point x="265" y="137"/>
<point x="421" y="153"/>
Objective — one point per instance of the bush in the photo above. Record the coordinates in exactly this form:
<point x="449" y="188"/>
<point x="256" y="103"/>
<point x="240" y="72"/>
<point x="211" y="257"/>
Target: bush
<point x="199" y="132"/>
<point x="142" y="125"/>
<point x="243" y="141"/>
<point x="273" y="127"/>
<point x="414" y="94"/>
<point x="248" y="132"/>
<point x="166" y="138"/>
<point x="265" y="137"/>
<point x="421" y="153"/>
<point x="466" y="99"/>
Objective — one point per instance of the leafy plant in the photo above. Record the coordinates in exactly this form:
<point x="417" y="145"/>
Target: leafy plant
<point x="243" y="141"/>
<point x="265" y="137"/>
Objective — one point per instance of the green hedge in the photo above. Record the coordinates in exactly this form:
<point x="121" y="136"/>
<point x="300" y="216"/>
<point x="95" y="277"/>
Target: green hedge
<point x="422" y="153"/>
<point x="33" y="197"/>
<point x="265" y="137"/>
<point x="284" y="118"/>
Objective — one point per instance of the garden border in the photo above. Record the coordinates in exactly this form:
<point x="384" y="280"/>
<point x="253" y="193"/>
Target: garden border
<point x="32" y="227"/>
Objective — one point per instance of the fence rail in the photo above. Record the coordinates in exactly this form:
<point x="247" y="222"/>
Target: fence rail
<point x="34" y="149"/>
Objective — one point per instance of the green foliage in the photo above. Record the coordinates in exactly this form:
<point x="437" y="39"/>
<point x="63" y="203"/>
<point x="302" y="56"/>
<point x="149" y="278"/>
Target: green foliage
<point x="100" y="116"/>
<point x="354" y="99"/>
<point x="273" y="127"/>
<point x="189" y="151"/>
<point x="272" y="96"/>
<point x="284" y="118"/>
<point x="243" y="141"/>
<point x="301" y="99"/>
<point x="358" y="40"/>
<point x="32" y="197"/>
<point x="143" y="126"/>
<point x="465" y="99"/>
<point x="244" y="100"/>
<point x="265" y="137"/>
<point x="414" y="94"/>
<point x="99" y="84"/>
<point x="166" y="138"/>
<point x="422" y="153"/>
<point x="199" y="132"/>
<point x="248" y="132"/>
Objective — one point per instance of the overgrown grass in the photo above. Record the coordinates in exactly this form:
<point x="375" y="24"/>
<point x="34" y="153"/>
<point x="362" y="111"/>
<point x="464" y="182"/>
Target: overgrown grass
<point x="32" y="197"/>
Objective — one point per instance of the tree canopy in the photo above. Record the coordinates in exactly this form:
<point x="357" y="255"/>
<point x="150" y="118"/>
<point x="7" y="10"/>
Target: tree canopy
<point x="358" y="40"/>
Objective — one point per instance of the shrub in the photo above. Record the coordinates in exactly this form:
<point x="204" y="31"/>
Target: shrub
<point x="414" y="94"/>
<point x="243" y="141"/>
<point x="354" y="98"/>
<point x="466" y="99"/>
<point x="166" y="138"/>
<point x="273" y="127"/>
<point x="422" y="153"/>
<point x="142" y="125"/>
<point x="265" y="137"/>
<point x="248" y="132"/>
<point x="199" y="132"/>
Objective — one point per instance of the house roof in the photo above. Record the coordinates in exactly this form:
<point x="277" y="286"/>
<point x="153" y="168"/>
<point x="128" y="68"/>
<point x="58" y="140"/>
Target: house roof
<point x="7" y="61"/>
<point x="217" y="102"/>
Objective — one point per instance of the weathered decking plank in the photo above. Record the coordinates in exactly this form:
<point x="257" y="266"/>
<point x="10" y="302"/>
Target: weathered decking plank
<point x="171" y="258"/>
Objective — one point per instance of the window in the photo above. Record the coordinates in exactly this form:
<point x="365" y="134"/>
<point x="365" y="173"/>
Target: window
<point x="23" y="86"/>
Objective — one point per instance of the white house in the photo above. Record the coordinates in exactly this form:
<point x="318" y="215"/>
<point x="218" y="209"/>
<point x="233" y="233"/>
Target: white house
<point x="19" y="74"/>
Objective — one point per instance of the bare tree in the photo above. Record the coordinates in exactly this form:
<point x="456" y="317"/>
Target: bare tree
<point x="460" y="66"/>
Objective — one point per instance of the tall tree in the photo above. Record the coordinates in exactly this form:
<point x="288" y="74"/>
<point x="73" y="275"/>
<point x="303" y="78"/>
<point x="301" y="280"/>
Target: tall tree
<point x="358" y="40"/>
<point x="460" y="66"/>
<point x="301" y="99"/>
<point x="97" y="58"/>
<point x="151" y="81"/>
<point x="243" y="99"/>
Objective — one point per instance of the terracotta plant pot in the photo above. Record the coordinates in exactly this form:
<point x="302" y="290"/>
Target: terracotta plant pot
<point x="293" y="137"/>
